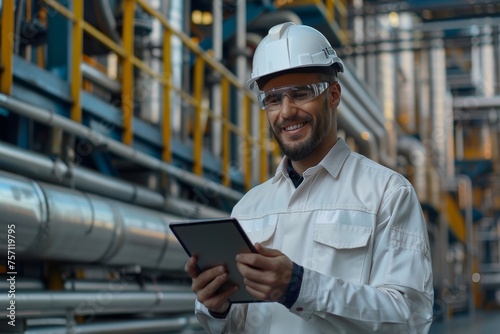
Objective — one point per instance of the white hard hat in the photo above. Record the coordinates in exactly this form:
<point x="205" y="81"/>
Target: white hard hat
<point x="289" y="46"/>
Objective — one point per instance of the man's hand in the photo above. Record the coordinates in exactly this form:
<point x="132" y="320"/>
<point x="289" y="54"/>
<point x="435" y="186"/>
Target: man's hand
<point x="206" y="283"/>
<point x="266" y="274"/>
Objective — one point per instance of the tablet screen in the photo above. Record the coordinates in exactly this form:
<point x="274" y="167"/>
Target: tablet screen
<point x="216" y="242"/>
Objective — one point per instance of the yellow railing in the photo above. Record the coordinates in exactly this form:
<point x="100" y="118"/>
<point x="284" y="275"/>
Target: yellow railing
<point x="7" y="46"/>
<point x="334" y="11"/>
<point x="254" y="148"/>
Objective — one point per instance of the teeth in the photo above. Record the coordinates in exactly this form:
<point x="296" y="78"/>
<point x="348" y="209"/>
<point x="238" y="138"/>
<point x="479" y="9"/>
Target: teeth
<point x="295" y="126"/>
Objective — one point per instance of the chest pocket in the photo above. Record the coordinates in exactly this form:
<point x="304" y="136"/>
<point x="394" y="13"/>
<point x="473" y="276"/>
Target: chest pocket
<point x="261" y="229"/>
<point x="340" y="250"/>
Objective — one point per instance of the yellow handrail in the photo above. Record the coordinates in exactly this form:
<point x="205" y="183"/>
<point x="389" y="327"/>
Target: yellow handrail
<point x="329" y="9"/>
<point x="199" y="68"/>
<point x="7" y="47"/>
<point x="128" y="71"/>
<point x="76" y="60"/>
<point x="203" y="62"/>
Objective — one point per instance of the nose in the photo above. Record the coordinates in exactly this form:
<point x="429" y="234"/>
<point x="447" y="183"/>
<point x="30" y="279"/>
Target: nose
<point x="288" y="108"/>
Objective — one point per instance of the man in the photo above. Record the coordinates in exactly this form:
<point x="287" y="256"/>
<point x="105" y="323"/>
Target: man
<point x="341" y="240"/>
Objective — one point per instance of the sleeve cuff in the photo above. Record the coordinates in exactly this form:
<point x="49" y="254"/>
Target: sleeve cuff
<point x="305" y="305"/>
<point x="293" y="289"/>
<point x="222" y="315"/>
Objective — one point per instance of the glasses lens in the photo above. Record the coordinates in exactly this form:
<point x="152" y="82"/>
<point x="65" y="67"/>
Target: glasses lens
<point x="271" y="100"/>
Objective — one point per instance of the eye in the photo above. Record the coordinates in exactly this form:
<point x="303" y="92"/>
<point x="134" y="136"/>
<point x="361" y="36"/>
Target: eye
<point x="272" y="98"/>
<point x="300" y="94"/>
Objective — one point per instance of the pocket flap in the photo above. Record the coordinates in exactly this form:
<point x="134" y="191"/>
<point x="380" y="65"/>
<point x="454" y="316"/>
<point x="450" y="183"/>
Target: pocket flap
<point x="341" y="236"/>
<point x="259" y="230"/>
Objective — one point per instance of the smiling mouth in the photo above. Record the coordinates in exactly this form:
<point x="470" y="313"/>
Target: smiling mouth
<point x="295" y="126"/>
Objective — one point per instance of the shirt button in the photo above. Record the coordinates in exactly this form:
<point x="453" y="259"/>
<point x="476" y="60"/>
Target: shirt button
<point x="299" y="309"/>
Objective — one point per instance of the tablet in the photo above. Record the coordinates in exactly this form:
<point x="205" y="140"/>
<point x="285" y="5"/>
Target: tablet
<point x="217" y="242"/>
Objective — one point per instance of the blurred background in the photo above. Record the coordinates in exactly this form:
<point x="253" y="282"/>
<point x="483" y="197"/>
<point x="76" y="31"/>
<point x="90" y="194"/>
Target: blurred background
<point x="119" y="117"/>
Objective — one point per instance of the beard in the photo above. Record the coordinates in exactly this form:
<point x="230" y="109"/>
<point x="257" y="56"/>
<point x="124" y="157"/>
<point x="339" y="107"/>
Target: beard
<point x="300" y="150"/>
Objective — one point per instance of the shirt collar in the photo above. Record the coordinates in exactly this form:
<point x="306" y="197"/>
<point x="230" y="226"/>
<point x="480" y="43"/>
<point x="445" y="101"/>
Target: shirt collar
<point x="332" y="162"/>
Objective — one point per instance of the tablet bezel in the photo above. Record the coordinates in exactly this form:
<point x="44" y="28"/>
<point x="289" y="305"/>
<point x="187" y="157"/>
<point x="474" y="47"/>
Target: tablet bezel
<point x="216" y="242"/>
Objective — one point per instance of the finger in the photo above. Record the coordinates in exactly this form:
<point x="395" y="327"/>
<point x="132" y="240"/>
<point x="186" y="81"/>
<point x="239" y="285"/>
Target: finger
<point x="211" y="289"/>
<point x="250" y="273"/>
<point x="265" y="251"/>
<point x="263" y="291"/>
<point x="191" y="268"/>
<point x="207" y="276"/>
<point x="220" y="302"/>
<point x="256" y="293"/>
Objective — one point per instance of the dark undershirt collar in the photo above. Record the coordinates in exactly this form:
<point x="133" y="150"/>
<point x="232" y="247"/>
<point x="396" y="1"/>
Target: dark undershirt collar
<point x="294" y="176"/>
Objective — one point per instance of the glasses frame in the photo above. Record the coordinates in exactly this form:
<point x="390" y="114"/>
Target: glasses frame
<point x="316" y="90"/>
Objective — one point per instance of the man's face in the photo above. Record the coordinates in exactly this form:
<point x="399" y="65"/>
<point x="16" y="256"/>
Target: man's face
<point x="309" y="130"/>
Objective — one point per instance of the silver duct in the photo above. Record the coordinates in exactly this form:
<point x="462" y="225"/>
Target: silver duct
<point x="100" y="79"/>
<point x="348" y="122"/>
<point x="441" y="115"/>
<point x="90" y="304"/>
<point x="40" y="167"/>
<point x="175" y="325"/>
<point x="386" y="79"/>
<point x="216" y="90"/>
<point x="176" y="12"/>
<point x="52" y="119"/>
<point x="369" y="116"/>
<point x="415" y="152"/>
<point x="406" y="83"/>
<point x="65" y="224"/>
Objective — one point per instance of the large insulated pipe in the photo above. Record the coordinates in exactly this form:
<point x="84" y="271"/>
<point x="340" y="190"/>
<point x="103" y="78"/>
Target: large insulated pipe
<point x="406" y="86"/>
<point x="65" y="224"/>
<point x="413" y="149"/>
<point x="440" y="119"/>
<point x="40" y="167"/>
<point x="52" y="119"/>
<point x="348" y="122"/>
<point x="368" y="111"/>
<point x="386" y="80"/>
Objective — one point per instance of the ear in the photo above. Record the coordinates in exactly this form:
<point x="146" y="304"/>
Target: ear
<point x="334" y="94"/>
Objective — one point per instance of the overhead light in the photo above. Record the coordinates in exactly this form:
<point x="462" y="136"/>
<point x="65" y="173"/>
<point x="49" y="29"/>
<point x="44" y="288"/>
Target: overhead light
<point x="394" y="19"/>
<point x="201" y="18"/>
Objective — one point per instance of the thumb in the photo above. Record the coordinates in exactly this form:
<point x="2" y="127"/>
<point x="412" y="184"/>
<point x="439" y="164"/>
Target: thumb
<point x="265" y="251"/>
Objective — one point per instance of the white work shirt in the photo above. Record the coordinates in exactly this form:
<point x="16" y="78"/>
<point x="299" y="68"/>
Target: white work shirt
<point x="357" y="229"/>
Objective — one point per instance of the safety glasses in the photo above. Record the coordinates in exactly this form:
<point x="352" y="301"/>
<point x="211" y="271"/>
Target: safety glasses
<point x="271" y="100"/>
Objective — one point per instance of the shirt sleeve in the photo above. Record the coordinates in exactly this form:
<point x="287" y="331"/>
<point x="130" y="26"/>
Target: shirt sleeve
<point x="234" y="321"/>
<point x="399" y="295"/>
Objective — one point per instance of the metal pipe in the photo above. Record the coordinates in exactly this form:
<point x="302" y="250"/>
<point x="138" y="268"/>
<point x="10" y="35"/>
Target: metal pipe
<point x="367" y="110"/>
<point x="100" y="79"/>
<point x="24" y="284"/>
<point x="122" y="327"/>
<point x="437" y="63"/>
<point x="414" y="150"/>
<point x="466" y="200"/>
<point x="364" y="118"/>
<point x="82" y="285"/>
<point x="111" y="300"/>
<point x="216" y="88"/>
<point x="64" y="224"/>
<point x="476" y="102"/>
<point x="349" y="123"/>
<point x="52" y="119"/>
<point x="38" y="166"/>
